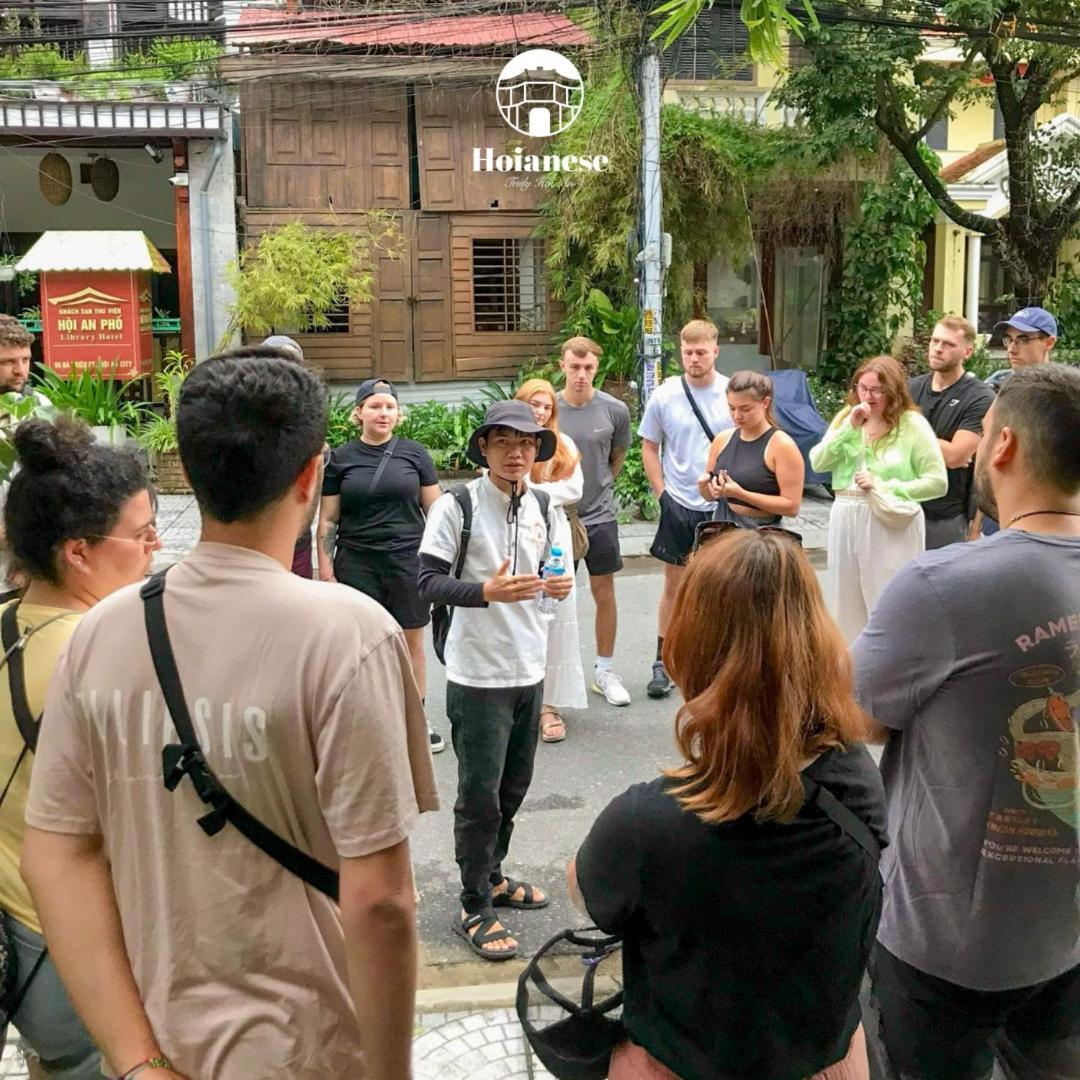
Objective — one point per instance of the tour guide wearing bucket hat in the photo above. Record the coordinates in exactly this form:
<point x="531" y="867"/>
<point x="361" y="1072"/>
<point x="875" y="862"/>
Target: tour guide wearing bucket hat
<point x="517" y="416"/>
<point x="495" y="653"/>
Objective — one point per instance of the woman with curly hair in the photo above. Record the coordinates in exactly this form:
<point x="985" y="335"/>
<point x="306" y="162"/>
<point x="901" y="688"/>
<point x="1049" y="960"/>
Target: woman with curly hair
<point x="80" y="524"/>
<point x="562" y="479"/>
<point x="885" y="460"/>
<point x="744" y="881"/>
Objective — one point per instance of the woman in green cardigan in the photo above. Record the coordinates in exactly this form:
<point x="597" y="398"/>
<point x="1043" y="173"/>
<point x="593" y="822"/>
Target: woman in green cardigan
<point x="879" y="441"/>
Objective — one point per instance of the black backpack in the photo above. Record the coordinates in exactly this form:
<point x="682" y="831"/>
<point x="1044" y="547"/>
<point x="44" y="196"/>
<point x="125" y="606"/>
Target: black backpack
<point x="442" y="615"/>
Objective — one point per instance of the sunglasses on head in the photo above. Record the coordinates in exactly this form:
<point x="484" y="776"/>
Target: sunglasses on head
<point x="710" y="530"/>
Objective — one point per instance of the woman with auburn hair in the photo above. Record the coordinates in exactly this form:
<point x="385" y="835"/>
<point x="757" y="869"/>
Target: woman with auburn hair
<point x="562" y="479"/>
<point x="744" y="882"/>
<point x="885" y="460"/>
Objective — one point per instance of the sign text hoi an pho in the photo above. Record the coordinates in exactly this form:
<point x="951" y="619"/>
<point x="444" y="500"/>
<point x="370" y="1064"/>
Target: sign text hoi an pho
<point x="97" y="318"/>
<point x="95" y="300"/>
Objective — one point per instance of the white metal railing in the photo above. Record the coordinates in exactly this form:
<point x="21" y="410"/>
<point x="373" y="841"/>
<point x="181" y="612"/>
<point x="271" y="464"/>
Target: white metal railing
<point x="749" y="105"/>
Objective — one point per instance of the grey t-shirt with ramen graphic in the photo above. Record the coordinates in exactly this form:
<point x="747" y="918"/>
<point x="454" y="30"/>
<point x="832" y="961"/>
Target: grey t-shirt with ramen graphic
<point x="972" y="657"/>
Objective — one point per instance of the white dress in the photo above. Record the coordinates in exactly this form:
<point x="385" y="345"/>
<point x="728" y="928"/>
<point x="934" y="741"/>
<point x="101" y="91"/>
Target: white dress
<point x="564" y="681"/>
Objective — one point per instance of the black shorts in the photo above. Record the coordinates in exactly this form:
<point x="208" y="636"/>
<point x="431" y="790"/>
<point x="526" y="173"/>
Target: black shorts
<point x="388" y="577"/>
<point x="675" y="534"/>
<point x="936" y="1030"/>
<point x="603" y="556"/>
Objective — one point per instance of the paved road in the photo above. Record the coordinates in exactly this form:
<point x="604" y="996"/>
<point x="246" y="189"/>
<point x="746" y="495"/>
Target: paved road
<point x="606" y="750"/>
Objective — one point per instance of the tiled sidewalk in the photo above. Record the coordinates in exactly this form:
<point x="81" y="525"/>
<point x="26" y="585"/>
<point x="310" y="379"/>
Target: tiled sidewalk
<point x="448" y="1046"/>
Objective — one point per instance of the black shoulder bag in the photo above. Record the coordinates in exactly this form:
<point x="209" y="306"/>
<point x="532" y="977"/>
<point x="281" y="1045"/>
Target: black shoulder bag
<point x="442" y="615"/>
<point x="187" y="759"/>
<point x="697" y="410"/>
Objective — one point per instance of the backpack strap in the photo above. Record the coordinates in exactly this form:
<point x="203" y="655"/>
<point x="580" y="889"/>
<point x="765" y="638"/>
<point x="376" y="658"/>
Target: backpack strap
<point x="187" y="759"/>
<point x="697" y="409"/>
<point x="14" y="642"/>
<point x="463" y="497"/>
<point x="846" y="820"/>
<point x="543" y="499"/>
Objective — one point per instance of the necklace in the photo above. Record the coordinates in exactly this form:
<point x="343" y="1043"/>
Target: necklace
<point x="1035" y="513"/>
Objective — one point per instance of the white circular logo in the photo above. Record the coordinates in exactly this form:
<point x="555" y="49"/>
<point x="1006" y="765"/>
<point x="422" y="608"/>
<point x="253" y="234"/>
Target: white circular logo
<point x="540" y="93"/>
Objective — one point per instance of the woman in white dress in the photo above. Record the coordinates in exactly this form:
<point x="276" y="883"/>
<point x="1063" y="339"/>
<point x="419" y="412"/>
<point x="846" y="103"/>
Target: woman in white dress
<point x="561" y="478"/>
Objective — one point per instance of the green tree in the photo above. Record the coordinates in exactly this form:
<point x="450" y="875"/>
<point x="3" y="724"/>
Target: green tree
<point x="871" y="71"/>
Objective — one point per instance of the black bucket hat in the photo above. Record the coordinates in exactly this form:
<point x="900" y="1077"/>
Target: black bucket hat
<point x="517" y="416"/>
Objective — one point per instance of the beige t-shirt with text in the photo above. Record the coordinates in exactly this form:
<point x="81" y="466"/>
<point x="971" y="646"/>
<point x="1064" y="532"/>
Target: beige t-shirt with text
<point x="304" y="701"/>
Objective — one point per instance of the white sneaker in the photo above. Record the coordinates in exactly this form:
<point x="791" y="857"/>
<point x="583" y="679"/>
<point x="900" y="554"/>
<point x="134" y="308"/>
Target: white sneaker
<point x="610" y="686"/>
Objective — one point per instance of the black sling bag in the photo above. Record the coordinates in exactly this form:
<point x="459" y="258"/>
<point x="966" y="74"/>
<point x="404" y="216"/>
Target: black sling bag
<point x="697" y="410"/>
<point x="187" y="759"/>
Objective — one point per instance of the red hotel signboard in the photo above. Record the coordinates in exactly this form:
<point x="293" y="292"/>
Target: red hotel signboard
<point x="97" y="318"/>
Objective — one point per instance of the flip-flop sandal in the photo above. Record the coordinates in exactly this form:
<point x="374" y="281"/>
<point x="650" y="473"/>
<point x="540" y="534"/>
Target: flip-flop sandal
<point x="554" y="729"/>
<point x="528" y="902"/>
<point x="484" y="934"/>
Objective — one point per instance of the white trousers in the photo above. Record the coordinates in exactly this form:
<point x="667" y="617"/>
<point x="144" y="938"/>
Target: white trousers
<point x="564" y="680"/>
<point x="863" y="556"/>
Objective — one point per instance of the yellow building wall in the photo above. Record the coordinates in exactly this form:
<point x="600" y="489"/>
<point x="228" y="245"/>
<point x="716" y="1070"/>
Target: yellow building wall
<point x="950" y="249"/>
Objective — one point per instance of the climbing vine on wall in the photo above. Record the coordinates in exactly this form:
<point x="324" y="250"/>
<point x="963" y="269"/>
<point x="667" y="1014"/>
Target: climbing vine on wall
<point x="884" y="260"/>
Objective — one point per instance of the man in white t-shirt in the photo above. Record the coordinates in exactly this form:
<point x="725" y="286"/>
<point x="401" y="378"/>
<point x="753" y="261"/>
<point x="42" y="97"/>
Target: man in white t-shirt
<point x="675" y="441"/>
<point x="198" y="955"/>
<point x="496" y="652"/>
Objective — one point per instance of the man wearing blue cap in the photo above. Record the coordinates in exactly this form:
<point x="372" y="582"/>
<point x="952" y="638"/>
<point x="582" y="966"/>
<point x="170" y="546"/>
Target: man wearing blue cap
<point x="1029" y="336"/>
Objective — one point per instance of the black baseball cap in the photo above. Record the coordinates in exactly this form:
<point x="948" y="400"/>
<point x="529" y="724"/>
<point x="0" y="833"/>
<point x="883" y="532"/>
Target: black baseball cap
<point x="517" y="416"/>
<point x="371" y="387"/>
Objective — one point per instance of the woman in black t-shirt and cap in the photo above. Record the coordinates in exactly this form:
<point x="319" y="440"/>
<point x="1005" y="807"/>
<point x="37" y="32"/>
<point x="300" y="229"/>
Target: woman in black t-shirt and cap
<point x="377" y="490"/>
<point x="745" y="881"/>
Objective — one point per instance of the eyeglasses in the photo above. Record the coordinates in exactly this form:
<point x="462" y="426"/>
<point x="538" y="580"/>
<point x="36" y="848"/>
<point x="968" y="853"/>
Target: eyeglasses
<point x="149" y="539"/>
<point x="1020" y="339"/>
<point x="871" y="391"/>
<point x="710" y="530"/>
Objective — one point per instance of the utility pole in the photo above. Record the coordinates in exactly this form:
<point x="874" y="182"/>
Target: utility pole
<point x="651" y="256"/>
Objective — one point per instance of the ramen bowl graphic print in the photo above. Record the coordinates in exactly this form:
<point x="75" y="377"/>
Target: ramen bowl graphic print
<point x="540" y="93"/>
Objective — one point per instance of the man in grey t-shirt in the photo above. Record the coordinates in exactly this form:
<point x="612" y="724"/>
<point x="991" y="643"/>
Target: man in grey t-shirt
<point x="970" y="664"/>
<point x="600" y="426"/>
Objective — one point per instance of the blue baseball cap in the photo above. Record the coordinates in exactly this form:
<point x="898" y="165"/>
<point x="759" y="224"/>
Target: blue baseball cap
<point x="1031" y="320"/>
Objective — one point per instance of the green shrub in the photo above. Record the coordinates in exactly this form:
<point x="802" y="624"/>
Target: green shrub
<point x="632" y="490"/>
<point x="828" y="394"/>
<point x="339" y="426"/>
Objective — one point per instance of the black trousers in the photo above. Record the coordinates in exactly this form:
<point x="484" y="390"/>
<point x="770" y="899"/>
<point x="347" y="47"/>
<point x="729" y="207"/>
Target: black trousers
<point x="494" y="732"/>
<point x="936" y="1030"/>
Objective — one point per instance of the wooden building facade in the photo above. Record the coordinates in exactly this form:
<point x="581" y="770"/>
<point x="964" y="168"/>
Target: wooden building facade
<point x="468" y="299"/>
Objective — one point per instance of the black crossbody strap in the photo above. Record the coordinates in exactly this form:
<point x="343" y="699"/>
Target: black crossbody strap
<point x="187" y="759"/>
<point x="697" y="410"/>
<point x="28" y="724"/>
<point x="847" y="821"/>
<point x="387" y="454"/>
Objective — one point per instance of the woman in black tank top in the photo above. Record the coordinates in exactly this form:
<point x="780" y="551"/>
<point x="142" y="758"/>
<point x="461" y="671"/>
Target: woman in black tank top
<point x="755" y="471"/>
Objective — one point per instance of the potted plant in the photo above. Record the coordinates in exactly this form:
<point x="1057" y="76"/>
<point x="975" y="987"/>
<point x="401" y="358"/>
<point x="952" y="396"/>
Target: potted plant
<point x="100" y="401"/>
<point x="157" y="432"/>
<point x="13" y="410"/>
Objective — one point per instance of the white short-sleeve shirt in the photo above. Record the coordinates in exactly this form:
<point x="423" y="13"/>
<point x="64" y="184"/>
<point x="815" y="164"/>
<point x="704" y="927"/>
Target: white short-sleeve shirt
<point x="670" y="421"/>
<point x="501" y="645"/>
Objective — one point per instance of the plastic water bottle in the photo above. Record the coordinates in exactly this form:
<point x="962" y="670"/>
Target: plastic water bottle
<point x="554" y="567"/>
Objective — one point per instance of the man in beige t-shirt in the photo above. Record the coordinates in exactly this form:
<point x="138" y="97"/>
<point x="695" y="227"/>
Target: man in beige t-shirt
<point x="202" y="951"/>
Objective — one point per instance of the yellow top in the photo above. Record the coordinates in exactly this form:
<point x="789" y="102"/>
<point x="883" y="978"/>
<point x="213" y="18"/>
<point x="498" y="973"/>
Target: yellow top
<point x="42" y="651"/>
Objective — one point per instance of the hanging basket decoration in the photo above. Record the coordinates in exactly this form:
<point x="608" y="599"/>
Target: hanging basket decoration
<point x="54" y="179"/>
<point x="105" y="179"/>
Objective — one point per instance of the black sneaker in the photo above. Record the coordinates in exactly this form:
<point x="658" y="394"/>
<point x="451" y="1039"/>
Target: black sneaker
<point x="436" y="740"/>
<point x="660" y="685"/>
